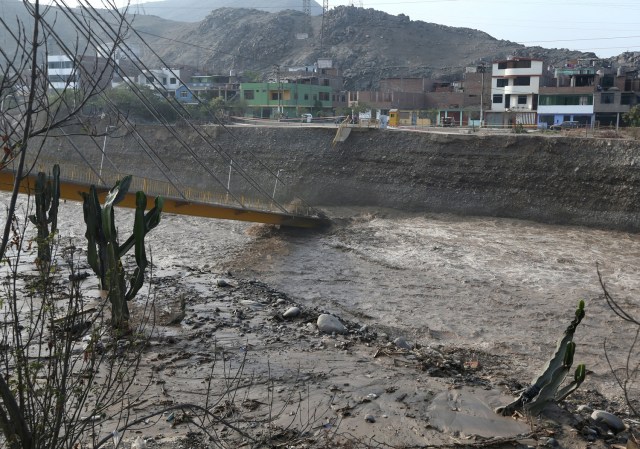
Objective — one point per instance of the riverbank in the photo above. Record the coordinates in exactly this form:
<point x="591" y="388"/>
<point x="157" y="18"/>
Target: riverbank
<point x="545" y="178"/>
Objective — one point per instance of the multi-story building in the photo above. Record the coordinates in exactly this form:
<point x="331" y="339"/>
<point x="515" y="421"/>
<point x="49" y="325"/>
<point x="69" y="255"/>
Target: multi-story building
<point x="515" y="85"/>
<point x="65" y="72"/>
<point x="570" y="98"/>
<point x="288" y="99"/>
<point x="62" y="72"/>
<point x="205" y="87"/>
<point x="166" y="80"/>
<point x="590" y="94"/>
<point x="616" y="93"/>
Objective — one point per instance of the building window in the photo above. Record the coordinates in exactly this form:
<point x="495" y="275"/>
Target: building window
<point x="324" y="96"/>
<point x="525" y="64"/>
<point x="502" y="82"/>
<point x="522" y="99"/>
<point x="607" y="81"/>
<point x="585" y="100"/>
<point x="325" y="82"/>
<point x="497" y="98"/>
<point x="63" y="78"/>
<point x="626" y="98"/>
<point x="306" y="96"/>
<point x="515" y="64"/>
<point x="248" y="95"/>
<point x="60" y="64"/>
<point x="164" y="80"/>
<point x="522" y="81"/>
<point x="184" y="94"/>
<point x="172" y="81"/>
<point x="276" y="96"/>
<point x="607" y="98"/>
<point x="566" y="100"/>
<point x="150" y="79"/>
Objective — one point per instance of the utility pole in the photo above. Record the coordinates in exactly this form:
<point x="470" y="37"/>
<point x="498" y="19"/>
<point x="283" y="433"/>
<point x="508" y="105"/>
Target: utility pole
<point x="325" y="8"/>
<point x="482" y="69"/>
<point x="276" y="67"/>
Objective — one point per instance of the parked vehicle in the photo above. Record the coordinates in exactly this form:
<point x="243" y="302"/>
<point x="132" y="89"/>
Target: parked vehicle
<point x="448" y="121"/>
<point x="565" y="125"/>
<point x="306" y="118"/>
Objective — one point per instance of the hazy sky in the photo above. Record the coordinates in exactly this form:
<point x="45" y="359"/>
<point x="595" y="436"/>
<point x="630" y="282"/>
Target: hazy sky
<point x="607" y="28"/>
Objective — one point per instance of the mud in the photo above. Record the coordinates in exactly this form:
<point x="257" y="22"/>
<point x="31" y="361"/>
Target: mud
<point x="481" y="300"/>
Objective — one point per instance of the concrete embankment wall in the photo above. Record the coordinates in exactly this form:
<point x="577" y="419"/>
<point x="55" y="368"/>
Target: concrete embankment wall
<point x="594" y="182"/>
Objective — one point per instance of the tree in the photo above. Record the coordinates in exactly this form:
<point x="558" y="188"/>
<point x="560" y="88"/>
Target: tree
<point x="633" y="116"/>
<point x="627" y="376"/>
<point x="48" y="380"/>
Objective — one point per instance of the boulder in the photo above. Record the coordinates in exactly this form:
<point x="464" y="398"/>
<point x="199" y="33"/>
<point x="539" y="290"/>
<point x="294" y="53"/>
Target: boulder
<point x="330" y="324"/>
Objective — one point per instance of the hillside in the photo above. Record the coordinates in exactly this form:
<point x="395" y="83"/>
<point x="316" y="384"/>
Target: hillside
<point x="364" y="43"/>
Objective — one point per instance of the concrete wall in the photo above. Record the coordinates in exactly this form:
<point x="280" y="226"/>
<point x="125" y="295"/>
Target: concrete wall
<point x="548" y="179"/>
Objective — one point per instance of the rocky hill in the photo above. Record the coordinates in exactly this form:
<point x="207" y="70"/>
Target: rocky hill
<point x="364" y="43"/>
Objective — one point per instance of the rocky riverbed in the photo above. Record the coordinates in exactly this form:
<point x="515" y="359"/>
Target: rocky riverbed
<point x="439" y="320"/>
<point x="445" y="317"/>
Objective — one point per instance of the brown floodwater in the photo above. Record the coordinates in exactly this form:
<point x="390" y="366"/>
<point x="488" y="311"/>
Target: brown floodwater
<point x="503" y="286"/>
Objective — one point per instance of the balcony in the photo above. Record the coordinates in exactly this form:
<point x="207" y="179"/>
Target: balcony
<point x="567" y="90"/>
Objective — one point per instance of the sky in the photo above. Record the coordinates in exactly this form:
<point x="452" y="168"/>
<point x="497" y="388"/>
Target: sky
<point x="607" y="28"/>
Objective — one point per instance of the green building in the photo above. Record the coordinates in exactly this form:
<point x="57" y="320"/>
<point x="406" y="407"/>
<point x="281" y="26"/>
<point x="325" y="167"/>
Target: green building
<point x="286" y="99"/>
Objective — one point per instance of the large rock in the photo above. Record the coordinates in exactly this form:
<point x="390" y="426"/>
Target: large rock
<point x="612" y="421"/>
<point x="330" y="324"/>
<point x="291" y="312"/>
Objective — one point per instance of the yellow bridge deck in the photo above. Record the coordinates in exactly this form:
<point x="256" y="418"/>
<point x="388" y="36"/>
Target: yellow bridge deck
<point x="72" y="189"/>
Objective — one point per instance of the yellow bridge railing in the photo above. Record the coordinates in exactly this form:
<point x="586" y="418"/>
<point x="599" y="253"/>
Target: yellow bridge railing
<point x="74" y="181"/>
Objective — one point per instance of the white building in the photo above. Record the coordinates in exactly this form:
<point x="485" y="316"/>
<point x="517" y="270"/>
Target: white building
<point x="515" y="85"/>
<point x="162" y="79"/>
<point x="61" y="72"/>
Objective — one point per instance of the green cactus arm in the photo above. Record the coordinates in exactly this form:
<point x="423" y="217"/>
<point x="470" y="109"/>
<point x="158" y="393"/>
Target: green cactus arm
<point x="142" y="225"/>
<point x="553" y="366"/>
<point x="559" y="356"/>
<point x="151" y="220"/>
<point x="578" y="377"/>
<point x="137" y="281"/>
<point x="548" y="392"/>
<point x="94" y="235"/>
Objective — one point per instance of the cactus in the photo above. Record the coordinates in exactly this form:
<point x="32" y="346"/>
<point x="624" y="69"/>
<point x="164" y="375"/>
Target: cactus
<point x="545" y="389"/>
<point x="105" y="254"/>
<point x="47" y="196"/>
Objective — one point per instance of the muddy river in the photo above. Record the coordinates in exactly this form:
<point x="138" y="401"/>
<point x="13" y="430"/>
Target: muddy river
<point x="504" y="286"/>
